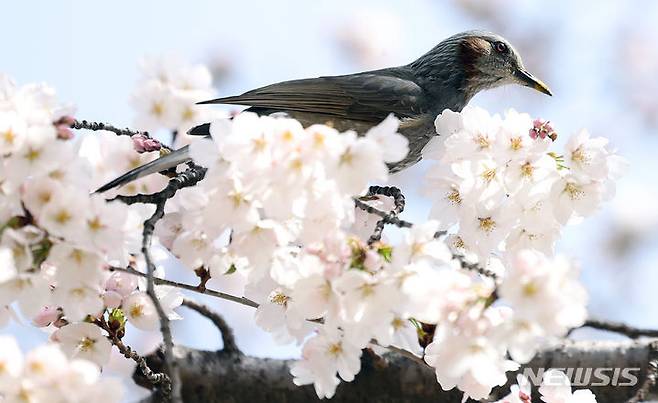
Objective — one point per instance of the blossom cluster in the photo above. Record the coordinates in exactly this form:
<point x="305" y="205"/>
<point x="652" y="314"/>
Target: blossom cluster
<point x="56" y="240"/>
<point x="166" y="95"/>
<point x="45" y="374"/>
<point x="496" y="180"/>
<point x="277" y="207"/>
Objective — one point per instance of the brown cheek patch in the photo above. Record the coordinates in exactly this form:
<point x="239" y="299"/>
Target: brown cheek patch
<point x="475" y="46"/>
<point x="470" y="50"/>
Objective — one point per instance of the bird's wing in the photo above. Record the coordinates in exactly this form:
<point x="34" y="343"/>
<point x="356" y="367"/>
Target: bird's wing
<point x="161" y="164"/>
<point x="365" y="97"/>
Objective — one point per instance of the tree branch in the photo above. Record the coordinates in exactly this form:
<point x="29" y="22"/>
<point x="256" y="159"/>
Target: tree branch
<point x="650" y="379"/>
<point x="152" y="377"/>
<point x="209" y="377"/>
<point x="173" y="389"/>
<point x="228" y="338"/>
<point x="190" y="287"/>
<point x="398" y="207"/>
<point x="187" y="178"/>
<point x="622" y="328"/>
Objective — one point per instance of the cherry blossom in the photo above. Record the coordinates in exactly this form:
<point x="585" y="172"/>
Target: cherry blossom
<point x="45" y="374"/>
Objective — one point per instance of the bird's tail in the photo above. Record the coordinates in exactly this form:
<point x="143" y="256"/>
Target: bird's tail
<point x="161" y="164"/>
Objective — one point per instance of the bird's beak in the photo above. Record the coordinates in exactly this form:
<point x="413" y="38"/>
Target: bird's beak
<point x="531" y="81"/>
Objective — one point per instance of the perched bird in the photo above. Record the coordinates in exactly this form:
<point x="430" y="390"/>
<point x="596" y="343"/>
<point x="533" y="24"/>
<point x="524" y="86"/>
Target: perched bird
<point x="446" y="77"/>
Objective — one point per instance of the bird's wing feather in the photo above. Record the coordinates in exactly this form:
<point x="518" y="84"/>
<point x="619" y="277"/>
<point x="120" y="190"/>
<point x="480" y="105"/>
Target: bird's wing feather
<point x="366" y="97"/>
<point x="161" y="164"/>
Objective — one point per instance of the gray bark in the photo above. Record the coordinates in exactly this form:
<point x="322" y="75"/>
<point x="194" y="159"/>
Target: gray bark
<point x="232" y="377"/>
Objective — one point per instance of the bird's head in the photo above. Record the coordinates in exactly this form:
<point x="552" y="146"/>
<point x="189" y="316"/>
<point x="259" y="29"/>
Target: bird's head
<point x="491" y="61"/>
<point x="477" y="60"/>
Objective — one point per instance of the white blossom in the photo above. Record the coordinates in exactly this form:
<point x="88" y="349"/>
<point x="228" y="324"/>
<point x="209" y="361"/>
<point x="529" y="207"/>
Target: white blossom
<point x="85" y="341"/>
<point x="556" y="388"/>
<point x="140" y="311"/>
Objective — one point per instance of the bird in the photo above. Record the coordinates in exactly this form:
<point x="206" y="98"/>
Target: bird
<point x="446" y="77"/>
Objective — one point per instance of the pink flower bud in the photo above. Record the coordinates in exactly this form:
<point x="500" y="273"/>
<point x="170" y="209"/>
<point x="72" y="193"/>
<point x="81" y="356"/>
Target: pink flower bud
<point x="373" y="261"/>
<point x="63" y="126"/>
<point x="112" y="299"/>
<point x="142" y="144"/>
<point x="46" y="316"/>
<point x="542" y="129"/>
<point x="121" y="283"/>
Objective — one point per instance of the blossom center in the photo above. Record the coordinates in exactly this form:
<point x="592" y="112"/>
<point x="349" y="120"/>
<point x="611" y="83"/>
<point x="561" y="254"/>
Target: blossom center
<point x="335" y="349"/>
<point x="9" y="136"/>
<point x="95" y="224"/>
<point x="574" y="191"/>
<point x="367" y="290"/>
<point x="157" y="108"/>
<point x="346" y="157"/>
<point x="77" y="255"/>
<point x="530" y="289"/>
<point x="188" y="114"/>
<point x="32" y="154"/>
<point x="86" y="344"/>
<point x="580" y="156"/>
<point x="482" y="141"/>
<point x="279" y="298"/>
<point x="489" y="174"/>
<point x="516" y="143"/>
<point x="454" y="197"/>
<point x="259" y="144"/>
<point x="137" y="311"/>
<point x="458" y="243"/>
<point x="487" y="224"/>
<point x="62" y="217"/>
<point x="397" y="323"/>
<point x="297" y="164"/>
<point x="287" y="136"/>
<point x="236" y="197"/>
<point x="527" y="169"/>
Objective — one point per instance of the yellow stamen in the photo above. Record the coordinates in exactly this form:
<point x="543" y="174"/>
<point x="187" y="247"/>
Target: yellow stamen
<point x="62" y="217"/>
<point x="487" y="224"/>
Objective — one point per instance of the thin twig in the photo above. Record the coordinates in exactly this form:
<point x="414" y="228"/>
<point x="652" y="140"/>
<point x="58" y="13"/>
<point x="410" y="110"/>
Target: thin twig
<point x="165" y="329"/>
<point x="187" y="178"/>
<point x="126" y="351"/>
<point x="651" y="376"/>
<point x="617" y="327"/>
<point x="391" y="218"/>
<point x="95" y="126"/>
<point x="398" y="207"/>
<point x="228" y="338"/>
<point x="190" y="177"/>
<point x="190" y="287"/>
<point x="386" y="217"/>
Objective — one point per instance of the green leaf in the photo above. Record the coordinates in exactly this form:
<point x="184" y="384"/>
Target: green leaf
<point x="117" y="320"/>
<point x="386" y="252"/>
<point x="40" y="252"/>
<point x="231" y="269"/>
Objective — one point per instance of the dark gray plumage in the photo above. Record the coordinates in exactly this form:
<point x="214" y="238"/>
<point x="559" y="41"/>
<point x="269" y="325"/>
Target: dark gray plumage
<point x="446" y="77"/>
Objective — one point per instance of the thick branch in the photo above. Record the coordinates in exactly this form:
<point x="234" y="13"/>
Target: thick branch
<point x="210" y="376"/>
<point x="228" y="338"/>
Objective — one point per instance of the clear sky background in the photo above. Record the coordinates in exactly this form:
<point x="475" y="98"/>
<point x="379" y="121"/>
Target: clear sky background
<point x="600" y="59"/>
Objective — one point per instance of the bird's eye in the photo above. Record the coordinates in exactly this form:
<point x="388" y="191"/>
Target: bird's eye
<point x="500" y="47"/>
